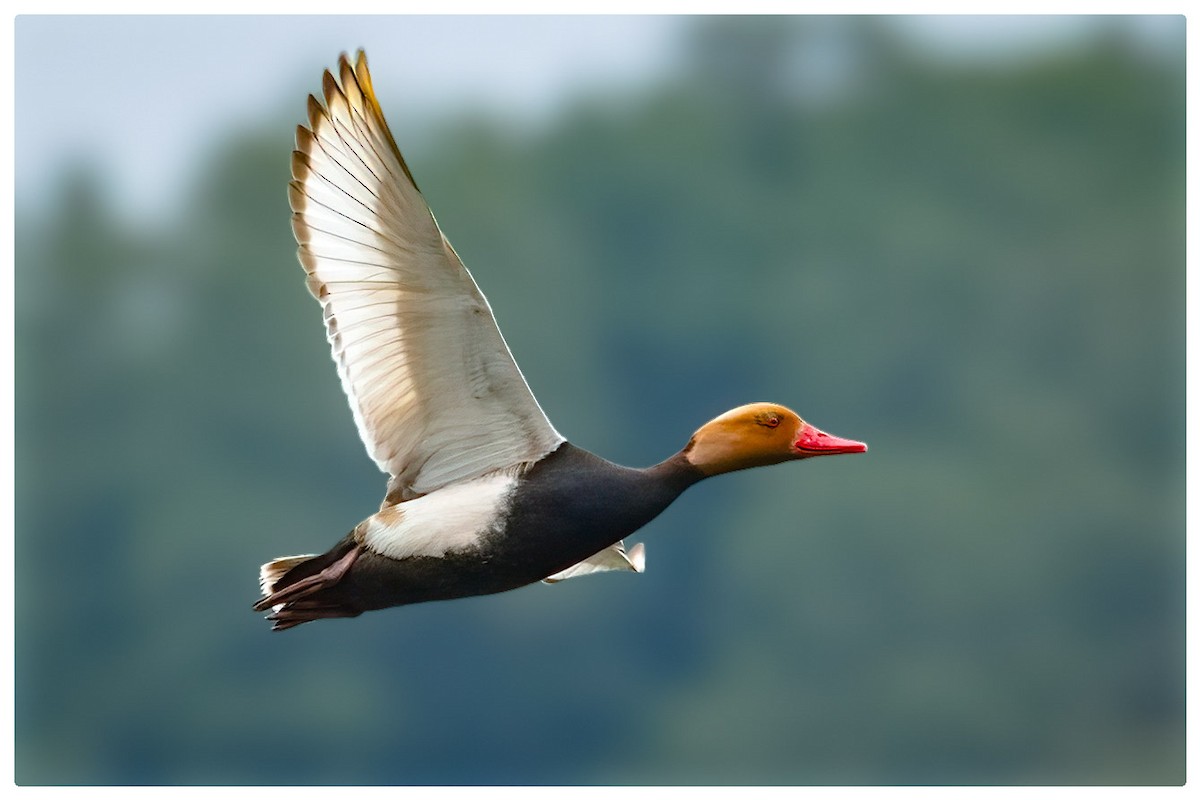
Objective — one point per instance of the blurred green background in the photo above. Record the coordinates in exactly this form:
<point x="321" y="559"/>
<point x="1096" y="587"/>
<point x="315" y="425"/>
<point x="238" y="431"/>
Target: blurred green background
<point x="972" y="257"/>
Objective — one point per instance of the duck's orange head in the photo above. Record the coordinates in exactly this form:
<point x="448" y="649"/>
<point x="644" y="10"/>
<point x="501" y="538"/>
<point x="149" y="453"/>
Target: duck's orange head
<point x="759" y="434"/>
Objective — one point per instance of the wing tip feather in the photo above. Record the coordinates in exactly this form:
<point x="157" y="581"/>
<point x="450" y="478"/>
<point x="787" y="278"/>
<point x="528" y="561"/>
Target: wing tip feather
<point x="296" y="198"/>
<point x="330" y="88"/>
<point x="300" y="165"/>
<point x="316" y="287"/>
<point x="304" y="139"/>
<point x="316" y="113"/>
<point x="300" y="228"/>
<point x="350" y="84"/>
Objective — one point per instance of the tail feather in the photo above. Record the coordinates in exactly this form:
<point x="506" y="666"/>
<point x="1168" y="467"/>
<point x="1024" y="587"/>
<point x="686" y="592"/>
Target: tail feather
<point x="283" y="572"/>
<point x="314" y="579"/>
<point x="270" y="572"/>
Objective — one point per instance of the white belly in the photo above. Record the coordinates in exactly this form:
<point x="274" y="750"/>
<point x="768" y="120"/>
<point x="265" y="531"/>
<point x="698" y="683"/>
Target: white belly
<point x="449" y="519"/>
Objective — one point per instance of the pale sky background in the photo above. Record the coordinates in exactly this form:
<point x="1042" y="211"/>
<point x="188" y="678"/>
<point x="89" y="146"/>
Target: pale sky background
<point x="146" y="98"/>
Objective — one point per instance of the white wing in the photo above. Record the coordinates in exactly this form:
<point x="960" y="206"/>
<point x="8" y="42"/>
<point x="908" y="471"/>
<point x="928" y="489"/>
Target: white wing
<point x="435" y="392"/>
<point x="607" y="560"/>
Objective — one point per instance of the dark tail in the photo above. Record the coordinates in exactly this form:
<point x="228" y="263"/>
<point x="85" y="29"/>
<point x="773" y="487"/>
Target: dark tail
<point x="299" y="589"/>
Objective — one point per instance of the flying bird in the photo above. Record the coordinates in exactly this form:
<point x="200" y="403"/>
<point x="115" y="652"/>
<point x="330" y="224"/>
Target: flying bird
<point x="483" y="494"/>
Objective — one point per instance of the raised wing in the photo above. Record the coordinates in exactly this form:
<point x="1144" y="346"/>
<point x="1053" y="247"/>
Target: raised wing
<point x="435" y="392"/>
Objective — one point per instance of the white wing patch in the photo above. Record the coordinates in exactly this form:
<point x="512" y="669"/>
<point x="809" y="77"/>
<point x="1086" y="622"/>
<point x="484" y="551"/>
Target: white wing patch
<point x="449" y="519"/>
<point x="607" y="560"/>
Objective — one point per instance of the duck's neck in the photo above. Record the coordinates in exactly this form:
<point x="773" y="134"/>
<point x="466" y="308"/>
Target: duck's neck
<point x="675" y="471"/>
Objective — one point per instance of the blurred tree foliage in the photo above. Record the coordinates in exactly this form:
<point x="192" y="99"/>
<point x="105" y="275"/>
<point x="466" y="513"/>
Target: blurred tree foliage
<point x="977" y="270"/>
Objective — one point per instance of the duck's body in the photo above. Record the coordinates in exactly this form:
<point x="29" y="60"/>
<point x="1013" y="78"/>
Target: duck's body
<point x="496" y="533"/>
<point x="484" y="494"/>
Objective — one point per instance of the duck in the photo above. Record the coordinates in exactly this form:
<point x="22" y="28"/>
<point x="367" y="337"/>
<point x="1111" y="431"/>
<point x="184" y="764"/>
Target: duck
<point x="483" y="494"/>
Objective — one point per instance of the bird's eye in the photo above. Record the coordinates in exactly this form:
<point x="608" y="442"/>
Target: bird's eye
<point x="772" y="421"/>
